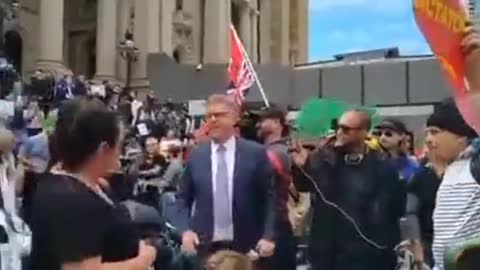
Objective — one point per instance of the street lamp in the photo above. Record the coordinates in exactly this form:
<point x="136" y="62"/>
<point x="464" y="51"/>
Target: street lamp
<point x="129" y="53"/>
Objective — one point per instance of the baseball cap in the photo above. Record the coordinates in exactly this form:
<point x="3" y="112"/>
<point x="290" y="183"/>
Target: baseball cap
<point x="393" y="125"/>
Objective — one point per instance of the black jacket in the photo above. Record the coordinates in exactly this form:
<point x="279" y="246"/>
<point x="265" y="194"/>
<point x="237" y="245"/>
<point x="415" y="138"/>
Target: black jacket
<point x="370" y="193"/>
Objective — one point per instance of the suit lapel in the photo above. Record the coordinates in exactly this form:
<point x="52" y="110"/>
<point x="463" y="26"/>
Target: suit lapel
<point x="206" y="185"/>
<point x="237" y="170"/>
<point x="207" y="169"/>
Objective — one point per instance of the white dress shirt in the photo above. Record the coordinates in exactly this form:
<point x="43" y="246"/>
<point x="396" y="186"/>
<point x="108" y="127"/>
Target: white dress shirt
<point x="230" y="148"/>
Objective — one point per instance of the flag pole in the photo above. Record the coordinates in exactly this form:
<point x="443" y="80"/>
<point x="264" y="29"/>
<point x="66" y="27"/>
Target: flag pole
<point x="249" y="63"/>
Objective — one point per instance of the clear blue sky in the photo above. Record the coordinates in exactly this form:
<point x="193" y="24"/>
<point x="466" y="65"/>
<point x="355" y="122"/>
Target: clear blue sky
<point x="339" y="26"/>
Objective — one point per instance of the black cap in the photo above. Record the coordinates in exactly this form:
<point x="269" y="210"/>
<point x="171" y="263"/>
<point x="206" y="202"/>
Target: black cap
<point x="393" y="125"/>
<point x="448" y="117"/>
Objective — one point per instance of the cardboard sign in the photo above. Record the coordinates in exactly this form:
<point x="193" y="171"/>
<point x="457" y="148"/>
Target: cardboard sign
<point x="142" y="129"/>
<point x="7" y="108"/>
<point x="442" y="22"/>
<point x="197" y="107"/>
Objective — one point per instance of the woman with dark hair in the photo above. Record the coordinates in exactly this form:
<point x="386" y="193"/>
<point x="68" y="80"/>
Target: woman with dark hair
<point x="75" y="224"/>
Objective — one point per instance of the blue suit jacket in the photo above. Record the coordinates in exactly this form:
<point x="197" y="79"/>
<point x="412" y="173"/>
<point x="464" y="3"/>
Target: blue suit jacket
<point x="253" y="195"/>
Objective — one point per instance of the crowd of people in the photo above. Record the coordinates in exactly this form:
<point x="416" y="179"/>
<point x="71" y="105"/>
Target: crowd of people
<point x="82" y="164"/>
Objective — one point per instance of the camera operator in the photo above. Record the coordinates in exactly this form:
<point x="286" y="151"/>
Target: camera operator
<point x="361" y="183"/>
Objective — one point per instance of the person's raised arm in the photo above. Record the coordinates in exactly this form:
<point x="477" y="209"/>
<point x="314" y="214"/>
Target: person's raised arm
<point x="471" y="48"/>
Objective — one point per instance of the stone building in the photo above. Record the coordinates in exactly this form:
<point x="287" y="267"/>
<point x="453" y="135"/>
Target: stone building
<point x="84" y="35"/>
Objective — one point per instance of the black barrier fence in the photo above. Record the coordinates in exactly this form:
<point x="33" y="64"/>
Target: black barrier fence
<point x="397" y="81"/>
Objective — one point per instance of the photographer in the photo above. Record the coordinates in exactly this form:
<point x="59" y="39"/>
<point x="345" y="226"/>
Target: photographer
<point x="366" y="187"/>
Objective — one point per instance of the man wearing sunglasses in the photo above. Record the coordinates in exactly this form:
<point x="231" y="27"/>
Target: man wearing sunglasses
<point x="392" y="134"/>
<point x="364" y="185"/>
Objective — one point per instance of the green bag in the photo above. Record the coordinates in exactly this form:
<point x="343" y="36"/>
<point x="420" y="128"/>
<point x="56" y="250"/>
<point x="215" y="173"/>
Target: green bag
<point x="463" y="255"/>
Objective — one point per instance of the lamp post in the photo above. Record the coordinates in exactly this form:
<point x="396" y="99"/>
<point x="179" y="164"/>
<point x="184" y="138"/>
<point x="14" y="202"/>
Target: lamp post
<point x="129" y="53"/>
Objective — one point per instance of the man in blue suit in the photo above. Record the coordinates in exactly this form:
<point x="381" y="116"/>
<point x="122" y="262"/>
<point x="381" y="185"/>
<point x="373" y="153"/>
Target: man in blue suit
<point x="228" y="188"/>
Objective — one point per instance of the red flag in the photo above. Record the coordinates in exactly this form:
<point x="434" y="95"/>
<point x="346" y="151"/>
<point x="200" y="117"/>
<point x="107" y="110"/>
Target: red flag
<point x="240" y="75"/>
<point x="239" y="69"/>
<point x="443" y="22"/>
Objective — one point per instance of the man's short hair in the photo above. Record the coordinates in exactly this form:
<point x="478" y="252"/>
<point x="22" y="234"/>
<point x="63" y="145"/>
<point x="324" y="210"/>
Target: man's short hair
<point x="276" y="114"/>
<point x="227" y="100"/>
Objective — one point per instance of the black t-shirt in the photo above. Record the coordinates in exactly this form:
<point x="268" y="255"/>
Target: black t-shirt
<point x="71" y="223"/>
<point x="30" y="185"/>
<point x="424" y="185"/>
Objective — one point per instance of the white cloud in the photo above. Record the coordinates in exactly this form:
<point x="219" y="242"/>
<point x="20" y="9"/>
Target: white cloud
<point x="386" y="7"/>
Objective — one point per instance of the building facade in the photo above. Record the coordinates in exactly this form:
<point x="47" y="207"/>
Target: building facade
<point x="84" y="35"/>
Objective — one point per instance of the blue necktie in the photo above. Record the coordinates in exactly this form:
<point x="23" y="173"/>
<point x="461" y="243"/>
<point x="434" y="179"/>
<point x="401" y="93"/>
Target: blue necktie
<point x="222" y="206"/>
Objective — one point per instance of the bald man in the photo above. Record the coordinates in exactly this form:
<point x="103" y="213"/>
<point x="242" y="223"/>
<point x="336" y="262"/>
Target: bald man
<point x="361" y="183"/>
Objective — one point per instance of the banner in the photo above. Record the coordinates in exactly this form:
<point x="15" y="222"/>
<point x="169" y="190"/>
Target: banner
<point x="442" y="22"/>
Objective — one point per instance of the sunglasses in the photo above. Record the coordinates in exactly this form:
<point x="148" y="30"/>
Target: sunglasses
<point x="380" y="133"/>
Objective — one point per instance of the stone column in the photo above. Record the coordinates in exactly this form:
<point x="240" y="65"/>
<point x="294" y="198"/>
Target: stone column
<point x="246" y="26"/>
<point x="106" y="39"/>
<point x="152" y="34"/>
<point x="50" y="54"/>
<point x="254" y="32"/>
<point x="280" y="20"/>
<point x="124" y="8"/>
<point x="167" y="8"/>
<point x="216" y="38"/>
<point x="195" y="8"/>
<point x="265" y="19"/>
<point x="303" y="31"/>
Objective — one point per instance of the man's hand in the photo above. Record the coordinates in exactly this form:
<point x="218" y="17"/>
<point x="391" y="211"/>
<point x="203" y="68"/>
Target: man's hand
<point x="189" y="241"/>
<point x="265" y="248"/>
<point x="146" y="255"/>
<point x="418" y="252"/>
<point x="299" y="154"/>
<point x="471" y="49"/>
